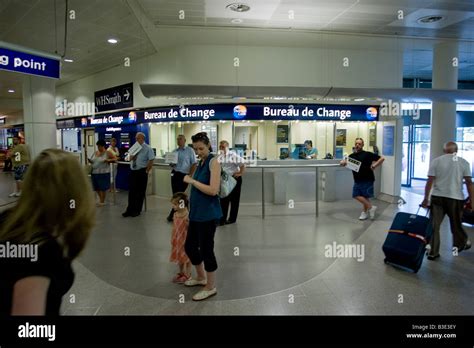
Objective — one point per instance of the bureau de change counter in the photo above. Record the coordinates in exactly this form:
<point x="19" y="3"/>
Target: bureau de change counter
<point x="282" y="180"/>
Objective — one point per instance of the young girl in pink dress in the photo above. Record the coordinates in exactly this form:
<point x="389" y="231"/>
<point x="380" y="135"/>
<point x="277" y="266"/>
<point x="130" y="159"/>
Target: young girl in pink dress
<point x="180" y="204"/>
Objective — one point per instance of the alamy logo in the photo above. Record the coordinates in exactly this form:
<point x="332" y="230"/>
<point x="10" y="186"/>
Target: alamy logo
<point x="37" y="331"/>
<point x="22" y="251"/>
<point x="393" y="108"/>
<point x="354" y="251"/>
<point x="4" y="60"/>
<point x="65" y="108"/>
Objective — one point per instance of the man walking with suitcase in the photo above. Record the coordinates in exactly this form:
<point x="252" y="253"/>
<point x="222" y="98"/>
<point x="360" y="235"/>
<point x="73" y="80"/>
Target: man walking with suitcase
<point x="446" y="176"/>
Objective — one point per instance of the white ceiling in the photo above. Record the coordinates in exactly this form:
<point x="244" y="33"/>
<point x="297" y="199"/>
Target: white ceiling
<point x="145" y="26"/>
<point x="361" y="16"/>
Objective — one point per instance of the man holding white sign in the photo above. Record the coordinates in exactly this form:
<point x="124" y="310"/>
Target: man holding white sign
<point x="141" y="163"/>
<point x="362" y="163"/>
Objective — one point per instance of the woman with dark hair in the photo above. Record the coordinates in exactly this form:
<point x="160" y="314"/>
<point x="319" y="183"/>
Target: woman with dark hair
<point x="204" y="215"/>
<point x="101" y="171"/>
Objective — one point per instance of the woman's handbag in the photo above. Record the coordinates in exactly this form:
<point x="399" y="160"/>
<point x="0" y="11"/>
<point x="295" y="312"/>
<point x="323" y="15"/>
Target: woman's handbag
<point x="90" y="165"/>
<point x="88" y="169"/>
<point x="228" y="183"/>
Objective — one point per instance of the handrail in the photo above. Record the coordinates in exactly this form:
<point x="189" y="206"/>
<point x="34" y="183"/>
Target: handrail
<point x="276" y="166"/>
<point x="329" y="165"/>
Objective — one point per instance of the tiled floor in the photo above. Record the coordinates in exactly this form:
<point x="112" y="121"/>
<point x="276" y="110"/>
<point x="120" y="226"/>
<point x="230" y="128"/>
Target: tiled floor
<point x="280" y="267"/>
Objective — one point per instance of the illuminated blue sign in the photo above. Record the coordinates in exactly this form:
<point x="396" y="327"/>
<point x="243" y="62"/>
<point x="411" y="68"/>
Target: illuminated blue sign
<point x="26" y="63"/>
<point x="232" y="112"/>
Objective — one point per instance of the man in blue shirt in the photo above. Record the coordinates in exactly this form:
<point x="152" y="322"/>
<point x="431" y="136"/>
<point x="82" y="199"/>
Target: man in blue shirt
<point x="186" y="160"/>
<point x="310" y="152"/>
<point x="140" y="165"/>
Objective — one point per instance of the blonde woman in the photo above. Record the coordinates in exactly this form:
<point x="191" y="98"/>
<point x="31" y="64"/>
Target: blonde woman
<point x="52" y="223"/>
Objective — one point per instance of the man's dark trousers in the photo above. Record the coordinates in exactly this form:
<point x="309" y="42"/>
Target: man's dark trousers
<point x="136" y="192"/>
<point x="234" y="200"/>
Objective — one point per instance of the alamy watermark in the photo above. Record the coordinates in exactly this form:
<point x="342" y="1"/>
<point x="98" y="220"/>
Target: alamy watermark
<point x="393" y="108"/>
<point x="233" y="158"/>
<point x="354" y="251"/>
<point x="65" y="108"/>
<point x="24" y="251"/>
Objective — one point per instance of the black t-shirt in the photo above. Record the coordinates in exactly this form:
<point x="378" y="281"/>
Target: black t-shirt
<point x="50" y="263"/>
<point x="365" y="174"/>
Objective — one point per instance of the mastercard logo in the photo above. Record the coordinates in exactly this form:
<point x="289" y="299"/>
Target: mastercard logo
<point x="371" y="113"/>
<point x="240" y="111"/>
<point x="132" y="116"/>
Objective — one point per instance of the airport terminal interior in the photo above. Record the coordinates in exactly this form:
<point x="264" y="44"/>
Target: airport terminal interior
<point x="291" y="85"/>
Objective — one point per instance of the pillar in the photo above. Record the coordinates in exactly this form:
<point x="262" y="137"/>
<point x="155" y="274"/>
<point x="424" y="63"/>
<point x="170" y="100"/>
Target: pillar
<point x="39" y="116"/>
<point x="443" y="116"/>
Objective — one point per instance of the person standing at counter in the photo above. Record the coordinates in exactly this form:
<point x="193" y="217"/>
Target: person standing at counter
<point x="20" y="157"/>
<point x="113" y="149"/>
<point x="234" y="165"/>
<point x="140" y="164"/>
<point x="310" y="152"/>
<point x="186" y="160"/>
<point x="364" y="179"/>
<point x="204" y="215"/>
<point x="101" y="171"/>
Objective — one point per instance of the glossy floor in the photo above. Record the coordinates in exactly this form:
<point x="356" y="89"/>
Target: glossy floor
<point x="279" y="265"/>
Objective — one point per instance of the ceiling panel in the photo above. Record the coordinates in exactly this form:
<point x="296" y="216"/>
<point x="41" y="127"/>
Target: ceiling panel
<point x="39" y="25"/>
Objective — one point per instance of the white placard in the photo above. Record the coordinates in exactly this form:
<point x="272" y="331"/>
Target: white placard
<point x="171" y="157"/>
<point x="134" y="149"/>
<point x="353" y="164"/>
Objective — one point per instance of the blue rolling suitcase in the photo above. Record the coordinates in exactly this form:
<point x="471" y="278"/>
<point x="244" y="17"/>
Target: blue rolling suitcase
<point x="405" y="245"/>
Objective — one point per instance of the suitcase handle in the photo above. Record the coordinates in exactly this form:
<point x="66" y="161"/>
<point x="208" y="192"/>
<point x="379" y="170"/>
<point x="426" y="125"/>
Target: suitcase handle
<point x="427" y="210"/>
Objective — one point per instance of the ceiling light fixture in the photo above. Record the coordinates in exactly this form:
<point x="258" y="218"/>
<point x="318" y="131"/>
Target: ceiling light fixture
<point x="238" y="7"/>
<point x="112" y="41"/>
<point x="11" y="91"/>
<point x="359" y="99"/>
<point x="68" y="60"/>
<point x="430" y="19"/>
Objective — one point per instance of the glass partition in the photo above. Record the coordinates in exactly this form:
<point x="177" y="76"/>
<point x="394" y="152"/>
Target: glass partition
<point x="348" y="132"/>
<point x="465" y="141"/>
<point x="421" y="151"/>
<point x="271" y="140"/>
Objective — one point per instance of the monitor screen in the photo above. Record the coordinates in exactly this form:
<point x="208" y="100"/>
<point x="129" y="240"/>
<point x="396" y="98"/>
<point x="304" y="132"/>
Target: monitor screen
<point x="298" y="151"/>
<point x="242" y="147"/>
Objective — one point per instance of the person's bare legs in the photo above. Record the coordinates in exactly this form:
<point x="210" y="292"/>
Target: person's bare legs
<point x="187" y="269"/>
<point x="364" y="201"/>
<point x="211" y="281"/>
<point x="201" y="273"/>
<point x="101" y="195"/>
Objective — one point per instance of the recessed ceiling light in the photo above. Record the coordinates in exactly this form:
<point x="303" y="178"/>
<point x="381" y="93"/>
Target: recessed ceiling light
<point x="430" y="19"/>
<point x="68" y="60"/>
<point x="11" y="91"/>
<point x="238" y="7"/>
<point x="112" y="41"/>
<point x="237" y="21"/>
